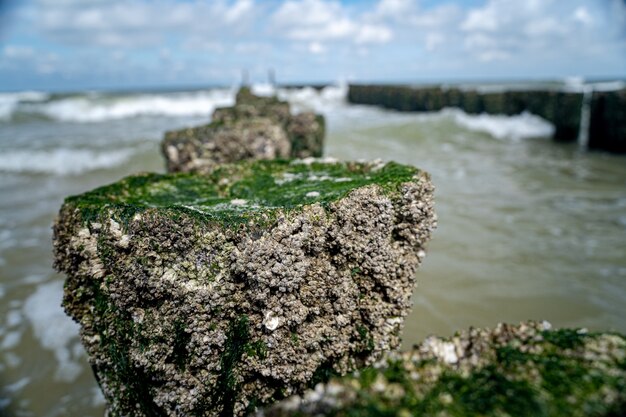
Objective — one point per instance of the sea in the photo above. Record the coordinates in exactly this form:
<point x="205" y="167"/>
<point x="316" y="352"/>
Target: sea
<point x="528" y="228"/>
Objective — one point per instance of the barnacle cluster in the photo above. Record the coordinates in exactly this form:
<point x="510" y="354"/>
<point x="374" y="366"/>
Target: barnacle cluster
<point x="216" y="294"/>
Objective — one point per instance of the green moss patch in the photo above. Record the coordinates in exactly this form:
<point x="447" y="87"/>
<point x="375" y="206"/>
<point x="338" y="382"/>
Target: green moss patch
<point x="239" y="192"/>
<point x="522" y="371"/>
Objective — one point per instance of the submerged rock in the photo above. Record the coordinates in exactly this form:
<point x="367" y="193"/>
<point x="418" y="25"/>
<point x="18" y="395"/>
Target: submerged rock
<point x="215" y="294"/>
<point x="525" y="370"/>
<point x="202" y="148"/>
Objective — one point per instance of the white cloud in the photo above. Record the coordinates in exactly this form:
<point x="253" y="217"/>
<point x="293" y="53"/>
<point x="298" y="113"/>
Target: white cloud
<point x="485" y="20"/>
<point x="317" y="48"/>
<point x="395" y="8"/>
<point x="17" y="52"/>
<point x="487" y="47"/>
<point x="582" y="15"/>
<point x="166" y="38"/>
<point x="139" y="23"/>
<point x="373" y="34"/>
<point x="445" y="17"/>
<point x="239" y="10"/>
<point x="434" y="40"/>
<point x="319" y="21"/>
<point x="507" y="30"/>
<point x="311" y="13"/>
<point x="18" y="57"/>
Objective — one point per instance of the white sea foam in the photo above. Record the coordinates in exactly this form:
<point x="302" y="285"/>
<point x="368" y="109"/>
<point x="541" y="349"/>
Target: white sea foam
<point x="608" y="86"/>
<point x="62" y="161"/>
<point x="54" y="330"/>
<point x="10" y="101"/>
<point x="14" y="318"/>
<point x="521" y="126"/>
<point x="12" y="360"/>
<point x="326" y="100"/>
<point x="100" y="108"/>
<point x="11" y="340"/>
<point x="263" y="89"/>
<point x="579" y="85"/>
<point x="18" y="385"/>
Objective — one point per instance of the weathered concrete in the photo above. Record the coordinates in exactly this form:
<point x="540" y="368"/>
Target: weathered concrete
<point x="278" y="112"/>
<point x="563" y="109"/>
<point x="525" y="370"/>
<point x="255" y="128"/>
<point x="214" y="294"/>
<point x="203" y="148"/>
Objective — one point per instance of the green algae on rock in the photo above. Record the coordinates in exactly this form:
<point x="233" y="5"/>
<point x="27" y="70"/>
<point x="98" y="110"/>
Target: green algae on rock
<point x="524" y="370"/>
<point x="216" y="294"/>
<point x="248" y="105"/>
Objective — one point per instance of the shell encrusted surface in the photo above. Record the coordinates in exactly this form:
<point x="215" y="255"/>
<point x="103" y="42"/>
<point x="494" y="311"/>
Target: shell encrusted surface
<point x="216" y="294"/>
<point x="524" y="370"/>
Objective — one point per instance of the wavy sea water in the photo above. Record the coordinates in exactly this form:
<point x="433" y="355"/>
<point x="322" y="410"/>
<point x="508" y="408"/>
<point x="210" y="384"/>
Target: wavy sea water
<point x="528" y="229"/>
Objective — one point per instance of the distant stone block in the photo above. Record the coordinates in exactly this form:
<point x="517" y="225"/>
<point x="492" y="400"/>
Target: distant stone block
<point x="255" y="128"/>
<point x="202" y="148"/>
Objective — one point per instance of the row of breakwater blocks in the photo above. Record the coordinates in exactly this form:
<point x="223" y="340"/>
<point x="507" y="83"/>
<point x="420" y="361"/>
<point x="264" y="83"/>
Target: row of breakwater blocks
<point x="254" y="285"/>
<point x="604" y="130"/>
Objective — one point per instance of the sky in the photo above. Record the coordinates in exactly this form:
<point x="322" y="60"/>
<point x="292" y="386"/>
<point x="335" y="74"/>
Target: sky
<point x="117" y="44"/>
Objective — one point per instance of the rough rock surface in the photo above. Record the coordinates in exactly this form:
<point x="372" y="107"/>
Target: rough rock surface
<point x="525" y="370"/>
<point x="202" y="148"/>
<point x="215" y="294"/>
<point x="247" y="105"/>
<point x="255" y="128"/>
<point x="305" y="130"/>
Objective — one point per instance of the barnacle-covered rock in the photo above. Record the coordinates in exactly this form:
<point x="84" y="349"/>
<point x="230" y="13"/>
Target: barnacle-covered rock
<point x="255" y="128"/>
<point x="215" y="294"/>
<point x="202" y="148"/>
<point x="248" y="105"/>
<point x="524" y="370"/>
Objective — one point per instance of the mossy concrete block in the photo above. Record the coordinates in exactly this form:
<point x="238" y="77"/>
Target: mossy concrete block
<point x="255" y="128"/>
<point x="214" y="294"/>
<point x="277" y="111"/>
<point x="202" y="148"/>
<point x="525" y="370"/>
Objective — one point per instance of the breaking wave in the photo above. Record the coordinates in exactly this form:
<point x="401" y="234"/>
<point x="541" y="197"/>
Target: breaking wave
<point x="100" y="107"/>
<point x="9" y="102"/>
<point x="62" y="161"/>
<point x="521" y="126"/>
<point x="54" y="330"/>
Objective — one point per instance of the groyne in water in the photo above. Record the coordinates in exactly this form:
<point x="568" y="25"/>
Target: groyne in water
<point x="241" y="281"/>
<point x="605" y="128"/>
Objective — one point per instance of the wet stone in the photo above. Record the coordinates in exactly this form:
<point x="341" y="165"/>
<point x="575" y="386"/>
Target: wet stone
<point x="256" y="128"/>
<point x="525" y="370"/>
<point x="217" y="294"/>
<point x="202" y="148"/>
